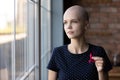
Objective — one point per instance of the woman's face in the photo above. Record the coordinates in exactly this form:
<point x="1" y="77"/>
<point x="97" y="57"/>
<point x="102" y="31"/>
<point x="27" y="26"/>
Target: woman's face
<point x="74" y="24"/>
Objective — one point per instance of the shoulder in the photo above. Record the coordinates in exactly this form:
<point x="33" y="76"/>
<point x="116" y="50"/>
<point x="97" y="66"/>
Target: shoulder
<point x="97" y="50"/>
<point x="96" y="47"/>
<point x="59" y="49"/>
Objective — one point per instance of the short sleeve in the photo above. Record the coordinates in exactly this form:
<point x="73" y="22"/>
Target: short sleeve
<point x="108" y="65"/>
<point x="52" y="65"/>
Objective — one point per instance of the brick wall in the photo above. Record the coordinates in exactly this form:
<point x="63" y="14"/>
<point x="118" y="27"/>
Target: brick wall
<point x="104" y="23"/>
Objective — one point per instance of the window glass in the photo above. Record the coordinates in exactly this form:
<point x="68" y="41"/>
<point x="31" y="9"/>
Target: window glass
<point x="45" y="36"/>
<point x="6" y="38"/>
<point x="51" y="28"/>
<point x="20" y="37"/>
<point x="19" y="41"/>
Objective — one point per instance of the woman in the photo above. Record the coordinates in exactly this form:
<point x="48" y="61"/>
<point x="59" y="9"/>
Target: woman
<point x="78" y="60"/>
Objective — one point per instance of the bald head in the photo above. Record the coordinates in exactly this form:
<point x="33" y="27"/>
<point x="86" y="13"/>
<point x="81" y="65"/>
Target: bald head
<point x="78" y="11"/>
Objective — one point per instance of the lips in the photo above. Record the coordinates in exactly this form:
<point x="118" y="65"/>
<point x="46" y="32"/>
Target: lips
<point x="70" y="32"/>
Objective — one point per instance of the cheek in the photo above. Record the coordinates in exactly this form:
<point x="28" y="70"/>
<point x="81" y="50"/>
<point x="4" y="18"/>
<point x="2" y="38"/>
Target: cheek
<point x="64" y="29"/>
<point x="79" y="30"/>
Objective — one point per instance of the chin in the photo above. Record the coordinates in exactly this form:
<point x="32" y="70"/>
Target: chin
<point x="71" y="37"/>
<point x="74" y="37"/>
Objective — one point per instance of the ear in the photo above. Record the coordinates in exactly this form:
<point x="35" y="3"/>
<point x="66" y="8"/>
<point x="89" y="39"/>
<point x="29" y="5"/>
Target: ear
<point x="87" y="25"/>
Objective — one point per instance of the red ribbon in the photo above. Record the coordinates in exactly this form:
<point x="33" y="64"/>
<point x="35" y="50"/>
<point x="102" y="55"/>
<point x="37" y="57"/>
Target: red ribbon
<point x="91" y="60"/>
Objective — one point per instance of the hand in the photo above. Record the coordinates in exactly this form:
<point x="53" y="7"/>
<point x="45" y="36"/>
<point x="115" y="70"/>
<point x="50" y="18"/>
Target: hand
<point x="99" y="63"/>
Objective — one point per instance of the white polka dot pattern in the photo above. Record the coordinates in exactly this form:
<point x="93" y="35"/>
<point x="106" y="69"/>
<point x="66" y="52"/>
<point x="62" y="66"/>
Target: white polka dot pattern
<point x="74" y="66"/>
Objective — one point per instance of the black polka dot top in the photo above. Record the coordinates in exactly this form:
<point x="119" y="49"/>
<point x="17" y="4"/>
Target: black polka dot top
<point x="71" y="66"/>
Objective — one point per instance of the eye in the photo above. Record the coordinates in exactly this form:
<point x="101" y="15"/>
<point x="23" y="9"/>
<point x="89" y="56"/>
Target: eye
<point x="64" y="22"/>
<point x="75" y="21"/>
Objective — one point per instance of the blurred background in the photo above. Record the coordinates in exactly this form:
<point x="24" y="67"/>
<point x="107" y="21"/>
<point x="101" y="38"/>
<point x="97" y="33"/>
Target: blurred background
<point x="30" y="29"/>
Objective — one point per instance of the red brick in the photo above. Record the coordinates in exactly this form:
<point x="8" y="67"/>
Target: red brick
<point x="114" y="26"/>
<point x="95" y="1"/>
<point x="99" y="33"/>
<point x="116" y="0"/>
<point x="114" y="20"/>
<point x="115" y="4"/>
<point x="98" y="26"/>
<point x="108" y="9"/>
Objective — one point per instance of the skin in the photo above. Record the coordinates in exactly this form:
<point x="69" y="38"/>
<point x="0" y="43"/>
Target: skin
<point x="75" y="25"/>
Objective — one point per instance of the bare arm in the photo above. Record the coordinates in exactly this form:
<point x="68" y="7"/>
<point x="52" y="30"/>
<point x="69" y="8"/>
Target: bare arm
<point x="103" y="75"/>
<point x="52" y="75"/>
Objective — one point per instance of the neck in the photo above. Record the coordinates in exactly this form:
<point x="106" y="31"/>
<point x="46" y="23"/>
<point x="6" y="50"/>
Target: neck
<point x="78" y="46"/>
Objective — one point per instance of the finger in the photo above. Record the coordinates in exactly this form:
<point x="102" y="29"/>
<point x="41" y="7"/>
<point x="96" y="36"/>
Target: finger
<point x="97" y="58"/>
<point x="99" y="61"/>
<point x="99" y="64"/>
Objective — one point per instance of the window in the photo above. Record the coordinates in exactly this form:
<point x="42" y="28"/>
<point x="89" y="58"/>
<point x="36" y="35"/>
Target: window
<point x="19" y="40"/>
<point x="51" y="30"/>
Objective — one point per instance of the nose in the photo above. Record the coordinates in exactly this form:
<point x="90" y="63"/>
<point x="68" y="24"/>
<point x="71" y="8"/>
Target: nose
<point x="68" y="26"/>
